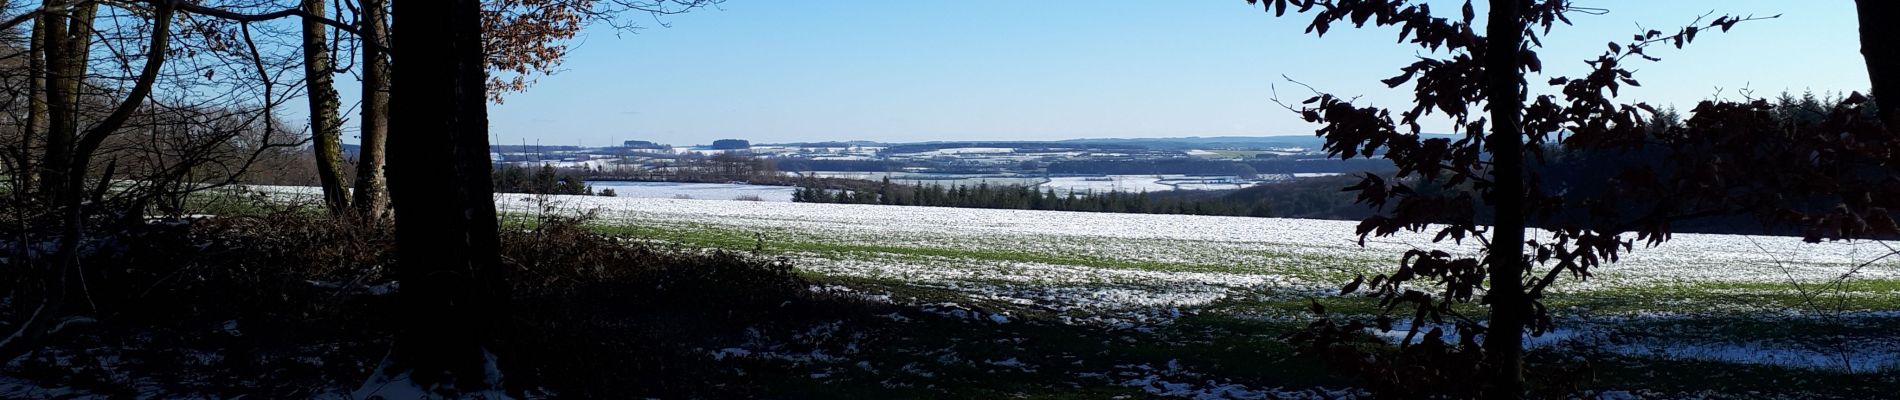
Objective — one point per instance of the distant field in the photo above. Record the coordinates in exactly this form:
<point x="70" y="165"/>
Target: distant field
<point x="1081" y="185"/>
<point x="914" y="178"/>
<point x="701" y="191"/>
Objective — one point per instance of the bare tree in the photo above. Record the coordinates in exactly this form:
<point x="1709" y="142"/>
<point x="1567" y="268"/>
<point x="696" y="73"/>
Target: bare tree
<point x="127" y="125"/>
<point x="28" y="171"/>
<point x="372" y="191"/>
<point x="325" y="125"/>
<point x="68" y="43"/>
<point x="70" y="151"/>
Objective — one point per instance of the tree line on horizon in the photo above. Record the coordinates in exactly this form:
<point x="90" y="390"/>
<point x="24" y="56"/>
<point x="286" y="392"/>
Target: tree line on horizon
<point x="545" y="179"/>
<point x="1018" y="197"/>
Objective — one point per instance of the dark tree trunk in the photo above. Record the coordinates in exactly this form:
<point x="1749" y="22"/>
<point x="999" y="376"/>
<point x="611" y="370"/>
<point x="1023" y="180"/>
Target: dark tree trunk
<point x="59" y="132"/>
<point x="1880" y="45"/>
<point x="446" y="232"/>
<point x="68" y="43"/>
<point x="73" y="42"/>
<point x="1503" y="341"/>
<point x="325" y="125"/>
<point x="372" y="196"/>
<point x="36" y="109"/>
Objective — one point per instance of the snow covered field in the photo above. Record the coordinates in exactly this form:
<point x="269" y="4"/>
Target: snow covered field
<point x="1134" y="269"/>
<point x="1110" y="183"/>
<point x="703" y="191"/>
<point x="916" y="178"/>
<point x="1245" y="249"/>
<point x="1704" y="297"/>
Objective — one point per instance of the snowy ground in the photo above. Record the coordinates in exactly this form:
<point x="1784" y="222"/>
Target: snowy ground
<point x="1243" y="249"/>
<point x="1156" y="183"/>
<point x="701" y="191"/>
<point x="1109" y="183"/>
<point x="1132" y="267"/>
<point x="916" y="178"/>
<point x="1724" y="298"/>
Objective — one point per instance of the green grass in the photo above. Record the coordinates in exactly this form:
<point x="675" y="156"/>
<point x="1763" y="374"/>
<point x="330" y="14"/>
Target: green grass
<point x="1680" y="377"/>
<point x="1759" y="329"/>
<point x="1728" y="297"/>
<point x="1696" y="297"/>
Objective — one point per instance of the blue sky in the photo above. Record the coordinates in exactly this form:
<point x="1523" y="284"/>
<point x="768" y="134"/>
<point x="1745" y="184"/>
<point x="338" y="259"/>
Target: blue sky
<point x="916" y="70"/>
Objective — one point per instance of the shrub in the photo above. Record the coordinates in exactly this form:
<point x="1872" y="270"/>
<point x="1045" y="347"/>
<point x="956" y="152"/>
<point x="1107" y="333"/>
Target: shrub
<point x="274" y="304"/>
<point x="601" y="315"/>
<point x="288" y="303"/>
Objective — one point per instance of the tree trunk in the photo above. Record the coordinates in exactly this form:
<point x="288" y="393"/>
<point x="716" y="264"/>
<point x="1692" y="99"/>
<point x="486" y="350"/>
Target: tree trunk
<point x="69" y="43"/>
<point x="36" y="108"/>
<point x="446" y="232"/>
<point x="1880" y="45"/>
<point x="1503" y="343"/>
<point x="325" y="125"/>
<point x="372" y="196"/>
<point x="59" y="104"/>
<point x="76" y="51"/>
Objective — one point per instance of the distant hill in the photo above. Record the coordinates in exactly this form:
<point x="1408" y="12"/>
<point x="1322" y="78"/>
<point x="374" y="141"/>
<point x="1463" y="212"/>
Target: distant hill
<point x="835" y="143"/>
<point x="902" y="148"/>
<point x="1215" y="142"/>
<point x="1309" y="142"/>
<point x="1312" y="143"/>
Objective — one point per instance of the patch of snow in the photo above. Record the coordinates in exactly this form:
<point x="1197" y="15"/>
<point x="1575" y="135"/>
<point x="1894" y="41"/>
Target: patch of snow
<point x="381" y="384"/>
<point x="728" y="352"/>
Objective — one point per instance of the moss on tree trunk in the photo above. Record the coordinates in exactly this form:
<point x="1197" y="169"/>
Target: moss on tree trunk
<point x="372" y="193"/>
<point x="325" y="125"/>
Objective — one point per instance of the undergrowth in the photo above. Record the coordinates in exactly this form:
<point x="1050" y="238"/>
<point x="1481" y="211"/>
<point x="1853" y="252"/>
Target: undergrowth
<point x="282" y="302"/>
